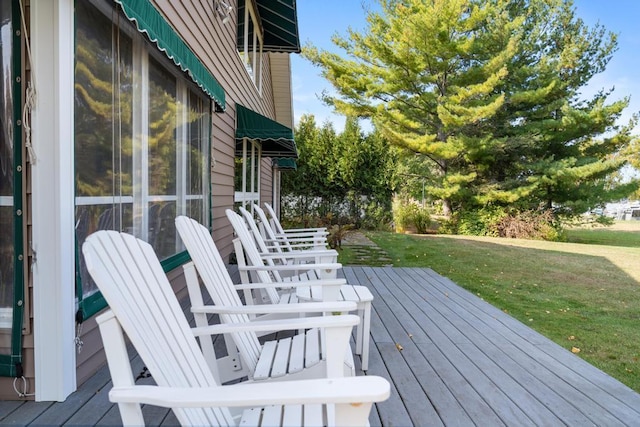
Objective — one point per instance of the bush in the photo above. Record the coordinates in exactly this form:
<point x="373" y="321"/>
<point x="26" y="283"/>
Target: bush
<point x="498" y="221"/>
<point x="537" y="225"/>
<point x="481" y="222"/>
<point x="422" y="220"/>
<point x="407" y="215"/>
<point x="376" y="217"/>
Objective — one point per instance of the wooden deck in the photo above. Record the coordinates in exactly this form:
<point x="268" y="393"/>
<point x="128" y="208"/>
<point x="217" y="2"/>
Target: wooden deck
<point x="451" y="358"/>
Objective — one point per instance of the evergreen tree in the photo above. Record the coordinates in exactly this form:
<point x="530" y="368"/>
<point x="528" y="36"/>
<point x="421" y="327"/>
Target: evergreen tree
<point x="489" y="92"/>
<point x="337" y="171"/>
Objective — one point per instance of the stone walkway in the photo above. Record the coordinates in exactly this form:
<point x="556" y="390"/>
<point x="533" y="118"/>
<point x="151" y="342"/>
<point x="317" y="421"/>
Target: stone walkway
<point x="366" y="251"/>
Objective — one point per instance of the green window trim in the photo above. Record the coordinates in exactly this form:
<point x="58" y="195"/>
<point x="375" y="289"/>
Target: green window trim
<point x="11" y="365"/>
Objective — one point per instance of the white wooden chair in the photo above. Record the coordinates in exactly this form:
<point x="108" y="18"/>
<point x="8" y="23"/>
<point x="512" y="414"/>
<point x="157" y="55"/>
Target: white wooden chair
<point x="277" y="226"/>
<point x="290" y="240"/>
<point x="273" y="255"/>
<point x="263" y="270"/>
<point x="311" y="354"/>
<point x="144" y="307"/>
<point x="294" y="255"/>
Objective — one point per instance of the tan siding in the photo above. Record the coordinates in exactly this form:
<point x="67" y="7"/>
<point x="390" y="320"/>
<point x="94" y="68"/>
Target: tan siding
<point x="266" y="181"/>
<point x="91" y="358"/>
<point x="281" y="80"/>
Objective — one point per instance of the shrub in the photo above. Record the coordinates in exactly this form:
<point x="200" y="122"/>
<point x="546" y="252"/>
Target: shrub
<point x="407" y="214"/>
<point x="538" y="225"/>
<point x="480" y="222"/>
<point x="422" y="220"/>
<point x="402" y="214"/>
<point x="498" y="221"/>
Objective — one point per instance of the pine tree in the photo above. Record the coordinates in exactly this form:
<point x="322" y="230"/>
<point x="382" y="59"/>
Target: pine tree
<point x="489" y="91"/>
<point x="559" y="148"/>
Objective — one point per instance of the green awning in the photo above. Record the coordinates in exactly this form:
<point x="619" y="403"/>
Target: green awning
<point x="150" y="21"/>
<point x="277" y="140"/>
<point x="285" y="163"/>
<point x="279" y="22"/>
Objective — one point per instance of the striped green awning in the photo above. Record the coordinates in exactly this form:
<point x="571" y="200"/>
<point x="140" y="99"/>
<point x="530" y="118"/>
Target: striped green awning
<point x="277" y="139"/>
<point x="279" y="22"/>
<point x="150" y="21"/>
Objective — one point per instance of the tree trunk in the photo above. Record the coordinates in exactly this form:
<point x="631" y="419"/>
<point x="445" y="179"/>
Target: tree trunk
<point x="447" y="210"/>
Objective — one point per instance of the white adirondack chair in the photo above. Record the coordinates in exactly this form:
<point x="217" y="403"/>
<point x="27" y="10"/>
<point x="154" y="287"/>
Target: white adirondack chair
<point x="262" y="270"/>
<point x="295" y="255"/>
<point x="311" y="354"/>
<point x="277" y="226"/>
<point x="144" y="307"/>
<point x="291" y="240"/>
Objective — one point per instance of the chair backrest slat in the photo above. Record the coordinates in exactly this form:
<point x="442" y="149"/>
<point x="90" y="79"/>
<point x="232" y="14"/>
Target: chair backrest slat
<point x="217" y="281"/>
<point x="275" y="222"/>
<point x="131" y="279"/>
<point x="253" y="255"/>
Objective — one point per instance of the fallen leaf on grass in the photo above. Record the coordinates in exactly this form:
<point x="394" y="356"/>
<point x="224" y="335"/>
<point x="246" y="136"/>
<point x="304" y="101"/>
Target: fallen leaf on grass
<point x="571" y="338"/>
<point x="575" y="350"/>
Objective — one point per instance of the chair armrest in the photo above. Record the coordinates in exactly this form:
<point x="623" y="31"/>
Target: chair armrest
<point x="292" y="324"/>
<point x="334" y="390"/>
<point x="291" y="284"/>
<point x="306" y="230"/>
<point x="303" y="307"/>
<point x="300" y="254"/>
<point x="293" y="233"/>
<point x="292" y="267"/>
<point x="296" y="241"/>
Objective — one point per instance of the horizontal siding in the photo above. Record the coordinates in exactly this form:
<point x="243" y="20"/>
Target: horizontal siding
<point x="266" y="181"/>
<point x="281" y="82"/>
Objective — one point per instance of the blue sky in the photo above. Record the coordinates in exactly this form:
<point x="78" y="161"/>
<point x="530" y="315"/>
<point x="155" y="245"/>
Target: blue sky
<point x="320" y="19"/>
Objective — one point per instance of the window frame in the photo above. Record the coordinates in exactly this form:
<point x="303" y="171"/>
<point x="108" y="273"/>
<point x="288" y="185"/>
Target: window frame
<point x="252" y="60"/>
<point x="249" y="194"/>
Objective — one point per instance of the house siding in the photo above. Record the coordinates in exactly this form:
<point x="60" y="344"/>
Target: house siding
<point x="215" y="44"/>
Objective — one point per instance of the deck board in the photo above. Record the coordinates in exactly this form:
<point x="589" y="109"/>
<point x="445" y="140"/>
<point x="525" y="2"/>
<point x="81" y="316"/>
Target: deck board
<point x="451" y="359"/>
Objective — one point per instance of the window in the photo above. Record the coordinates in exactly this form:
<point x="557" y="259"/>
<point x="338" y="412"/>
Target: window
<point x="142" y="138"/>
<point x="7" y="225"/>
<point x="247" y="174"/>
<point x="250" y="41"/>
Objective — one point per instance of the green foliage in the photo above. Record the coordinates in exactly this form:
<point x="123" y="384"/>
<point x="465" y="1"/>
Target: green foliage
<point x="497" y="221"/>
<point x="539" y="225"/>
<point x="480" y="222"/>
<point x="490" y="93"/>
<point x="341" y="177"/>
<point x="407" y="214"/>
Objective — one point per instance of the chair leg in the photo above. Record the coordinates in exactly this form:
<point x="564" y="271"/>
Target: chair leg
<point x="364" y="329"/>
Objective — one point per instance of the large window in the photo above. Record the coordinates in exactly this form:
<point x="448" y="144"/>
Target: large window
<point x="247" y="174"/>
<point x="142" y="138"/>
<point x="250" y="42"/>
<point x="7" y="249"/>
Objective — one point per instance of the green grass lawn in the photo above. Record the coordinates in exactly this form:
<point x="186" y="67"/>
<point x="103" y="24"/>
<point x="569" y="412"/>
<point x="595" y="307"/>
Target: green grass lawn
<point x="582" y="296"/>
